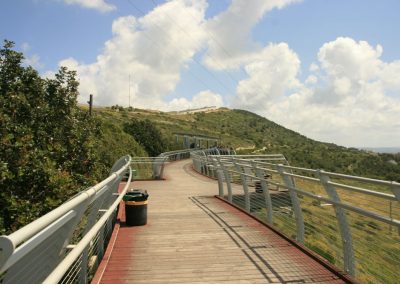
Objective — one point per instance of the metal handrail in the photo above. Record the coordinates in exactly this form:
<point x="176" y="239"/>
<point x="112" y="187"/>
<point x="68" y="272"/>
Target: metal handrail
<point x="72" y="231"/>
<point x="88" y="214"/>
<point x="57" y="274"/>
<point x="349" y="197"/>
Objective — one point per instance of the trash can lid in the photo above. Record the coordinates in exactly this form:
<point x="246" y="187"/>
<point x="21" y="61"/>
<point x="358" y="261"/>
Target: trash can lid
<point x="136" y="195"/>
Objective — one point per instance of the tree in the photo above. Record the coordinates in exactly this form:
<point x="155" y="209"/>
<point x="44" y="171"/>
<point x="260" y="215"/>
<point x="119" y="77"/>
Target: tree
<point x="146" y="134"/>
<point x="46" y="142"/>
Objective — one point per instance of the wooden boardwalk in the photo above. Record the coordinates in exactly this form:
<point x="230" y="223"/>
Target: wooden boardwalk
<point x="193" y="237"/>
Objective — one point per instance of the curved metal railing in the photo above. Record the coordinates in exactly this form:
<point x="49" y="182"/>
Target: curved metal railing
<point x="153" y="167"/>
<point x="353" y="222"/>
<point x="67" y="244"/>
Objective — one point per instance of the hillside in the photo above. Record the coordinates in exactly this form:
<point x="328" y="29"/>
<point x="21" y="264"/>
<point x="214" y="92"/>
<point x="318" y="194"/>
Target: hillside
<point x="250" y="133"/>
<point x="51" y="148"/>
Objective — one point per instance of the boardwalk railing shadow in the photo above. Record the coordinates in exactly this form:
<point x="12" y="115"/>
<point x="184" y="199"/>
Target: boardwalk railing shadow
<point x="345" y="219"/>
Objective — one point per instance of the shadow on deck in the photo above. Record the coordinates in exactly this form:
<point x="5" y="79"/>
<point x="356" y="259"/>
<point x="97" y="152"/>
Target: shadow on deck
<point x="193" y="237"/>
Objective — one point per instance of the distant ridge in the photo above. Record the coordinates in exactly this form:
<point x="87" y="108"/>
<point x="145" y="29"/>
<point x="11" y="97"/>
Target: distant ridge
<point x="391" y="150"/>
<point x="196" y="110"/>
<point x="250" y="133"/>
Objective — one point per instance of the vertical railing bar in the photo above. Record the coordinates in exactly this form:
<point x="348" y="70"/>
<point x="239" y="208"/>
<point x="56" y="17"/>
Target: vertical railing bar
<point x="227" y="179"/>
<point x="265" y="190"/>
<point x="289" y="182"/>
<point x="347" y="242"/>
<point x="244" y="185"/>
<point x="218" y="171"/>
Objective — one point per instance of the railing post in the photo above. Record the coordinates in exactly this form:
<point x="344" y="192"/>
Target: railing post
<point x="227" y="179"/>
<point x="84" y="266"/>
<point x="195" y="159"/>
<point x="264" y="186"/>
<point x="100" y="244"/>
<point x="345" y="232"/>
<point x="204" y="164"/>
<point x="289" y="182"/>
<point x="162" y="167"/>
<point x="396" y="191"/>
<point x="218" y="170"/>
<point x="245" y="187"/>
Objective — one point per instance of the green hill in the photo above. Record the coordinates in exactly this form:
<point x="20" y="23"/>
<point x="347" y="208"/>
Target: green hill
<point x="51" y="148"/>
<point x="250" y="133"/>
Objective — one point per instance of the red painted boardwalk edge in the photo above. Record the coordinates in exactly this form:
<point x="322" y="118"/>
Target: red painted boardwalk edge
<point x="110" y="247"/>
<point x="335" y="270"/>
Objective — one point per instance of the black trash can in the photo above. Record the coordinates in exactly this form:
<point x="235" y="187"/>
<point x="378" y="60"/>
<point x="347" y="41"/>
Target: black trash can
<point x="136" y="207"/>
<point x="258" y="184"/>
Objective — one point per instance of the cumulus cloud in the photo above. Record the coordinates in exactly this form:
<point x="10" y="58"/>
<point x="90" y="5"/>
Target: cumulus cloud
<point x="230" y="44"/>
<point x="311" y="80"/>
<point x="346" y="58"/>
<point x="152" y="50"/>
<point x="269" y="78"/>
<point x="202" y="99"/>
<point x="350" y="96"/>
<point x="313" y="67"/>
<point x="350" y="105"/>
<point x="99" y="5"/>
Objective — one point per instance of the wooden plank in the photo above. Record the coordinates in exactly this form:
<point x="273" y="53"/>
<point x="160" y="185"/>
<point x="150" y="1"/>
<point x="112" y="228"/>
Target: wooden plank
<point x="192" y="237"/>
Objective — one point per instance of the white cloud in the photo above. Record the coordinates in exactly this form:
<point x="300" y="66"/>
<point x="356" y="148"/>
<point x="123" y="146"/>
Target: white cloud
<point x="311" y="80"/>
<point x="34" y="61"/>
<point x="202" y="99"/>
<point x="229" y="43"/>
<point x="351" y="105"/>
<point x="390" y="75"/>
<point x="99" y="5"/>
<point x="350" y="96"/>
<point x="25" y="47"/>
<point x="270" y="77"/>
<point x="152" y="50"/>
<point x="30" y="60"/>
<point x="350" y="69"/>
<point x="313" y="67"/>
<point x="344" y="57"/>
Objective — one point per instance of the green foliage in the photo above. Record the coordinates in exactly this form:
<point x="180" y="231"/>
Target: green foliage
<point x="251" y="133"/>
<point x="147" y="134"/>
<point x="117" y="108"/>
<point x="109" y="148"/>
<point x="259" y="135"/>
<point x="50" y="148"/>
<point x="47" y="142"/>
<point x="325" y="254"/>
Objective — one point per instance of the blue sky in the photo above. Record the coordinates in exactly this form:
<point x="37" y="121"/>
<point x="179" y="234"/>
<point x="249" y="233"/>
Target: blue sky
<point x="350" y="95"/>
<point x="56" y="30"/>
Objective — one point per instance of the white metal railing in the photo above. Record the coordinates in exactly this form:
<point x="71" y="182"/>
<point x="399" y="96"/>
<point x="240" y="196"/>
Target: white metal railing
<point x="351" y="221"/>
<point x="354" y="222"/>
<point x="153" y="167"/>
<point x="67" y="244"/>
<point x="172" y="156"/>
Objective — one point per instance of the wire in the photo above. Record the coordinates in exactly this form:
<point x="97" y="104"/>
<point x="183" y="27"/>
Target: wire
<point x="235" y="80"/>
<point x="227" y="53"/>
<point x="171" y="40"/>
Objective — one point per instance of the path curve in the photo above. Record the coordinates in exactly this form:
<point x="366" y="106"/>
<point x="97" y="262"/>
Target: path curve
<point x="192" y="237"/>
